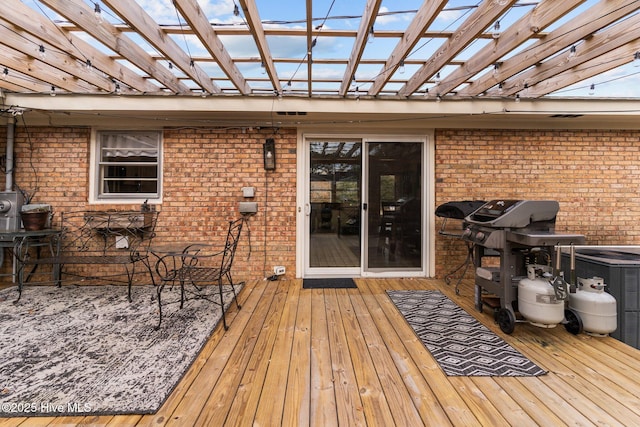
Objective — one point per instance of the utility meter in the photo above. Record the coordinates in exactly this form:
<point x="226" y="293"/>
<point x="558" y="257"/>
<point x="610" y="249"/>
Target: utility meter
<point x="10" y="205"/>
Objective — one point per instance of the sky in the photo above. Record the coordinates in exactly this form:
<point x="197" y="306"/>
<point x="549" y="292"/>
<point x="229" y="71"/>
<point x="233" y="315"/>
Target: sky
<point x="344" y="14"/>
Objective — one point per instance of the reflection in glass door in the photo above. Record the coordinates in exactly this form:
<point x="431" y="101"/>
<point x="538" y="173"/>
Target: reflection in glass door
<point x="394" y="213"/>
<point x="364" y="213"/>
<point x="334" y="216"/>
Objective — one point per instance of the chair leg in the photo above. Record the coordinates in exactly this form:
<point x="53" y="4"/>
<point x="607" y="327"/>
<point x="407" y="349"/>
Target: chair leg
<point x="58" y="274"/>
<point x="130" y="275"/>
<point x="224" y="320"/>
<point x="182" y="298"/>
<point x="233" y="289"/>
<point x="20" y="275"/>
<point x="159" y="292"/>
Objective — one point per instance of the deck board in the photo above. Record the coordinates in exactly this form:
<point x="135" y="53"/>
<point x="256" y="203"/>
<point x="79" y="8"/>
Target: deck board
<point x="270" y="408"/>
<point x="186" y="406"/>
<point x="297" y="398"/>
<point x="223" y="392"/>
<point x="420" y="393"/>
<point x="446" y="394"/>
<point x="512" y="412"/>
<point x="590" y="386"/>
<point x="393" y="385"/>
<point x="323" y="400"/>
<point x="346" y="357"/>
<point x="248" y="394"/>
<point x="374" y="403"/>
<point x="349" y="407"/>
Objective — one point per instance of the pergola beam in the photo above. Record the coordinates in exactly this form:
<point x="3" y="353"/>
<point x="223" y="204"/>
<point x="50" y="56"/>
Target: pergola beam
<point x="31" y="23"/>
<point x="78" y="12"/>
<point x="55" y="58"/>
<point x="36" y="69"/>
<point x="427" y="13"/>
<point x="476" y="23"/>
<point x="198" y="21"/>
<point x="544" y="14"/>
<point x="590" y="51"/>
<point x="605" y="62"/>
<point x="192" y="50"/>
<point x="584" y="25"/>
<point x="310" y="45"/>
<point x="258" y="32"/>
<point x="366" y="23"/>
<point x="140" y="20"/>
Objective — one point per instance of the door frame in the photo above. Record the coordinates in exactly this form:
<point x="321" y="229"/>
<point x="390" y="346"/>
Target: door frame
<point x="428" y="194"/>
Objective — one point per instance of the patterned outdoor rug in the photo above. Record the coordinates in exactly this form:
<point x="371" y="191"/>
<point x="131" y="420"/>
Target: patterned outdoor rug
<point x="459" y="343"/>
<point x="80" y="350"/>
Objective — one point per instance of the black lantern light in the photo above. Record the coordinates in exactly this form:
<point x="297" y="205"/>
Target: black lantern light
<point x="269" y="153"/>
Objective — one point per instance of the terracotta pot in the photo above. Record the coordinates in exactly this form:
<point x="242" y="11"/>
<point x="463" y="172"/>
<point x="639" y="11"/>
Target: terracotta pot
<point x="33" y="221"/>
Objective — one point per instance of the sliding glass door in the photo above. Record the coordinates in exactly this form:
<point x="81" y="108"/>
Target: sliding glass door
<point x="363" y="207"/>
<point x="334" y="205"/>
<point x="394" y="211"/>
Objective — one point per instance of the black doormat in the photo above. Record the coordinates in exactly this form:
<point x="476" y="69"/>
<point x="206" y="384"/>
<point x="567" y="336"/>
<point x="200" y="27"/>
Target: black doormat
<point x="461" y="345"/>
<point x="343" y="282"/>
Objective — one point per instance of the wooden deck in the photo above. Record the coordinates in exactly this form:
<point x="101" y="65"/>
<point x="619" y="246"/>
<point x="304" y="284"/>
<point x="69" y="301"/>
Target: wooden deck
<point x="296" y="357"/>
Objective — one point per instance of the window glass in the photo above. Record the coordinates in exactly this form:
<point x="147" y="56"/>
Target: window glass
<point x="128" y="164"/>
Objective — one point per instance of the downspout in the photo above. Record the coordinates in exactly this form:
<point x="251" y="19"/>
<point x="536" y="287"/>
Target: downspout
<point x="11" y="127"/>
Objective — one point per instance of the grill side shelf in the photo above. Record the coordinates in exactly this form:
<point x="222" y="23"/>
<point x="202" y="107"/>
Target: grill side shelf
<point x="545" y="239"/>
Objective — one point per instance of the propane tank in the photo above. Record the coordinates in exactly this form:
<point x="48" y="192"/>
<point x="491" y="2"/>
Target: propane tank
<point x="538" y="302"/>
<point x="597" y="308"/>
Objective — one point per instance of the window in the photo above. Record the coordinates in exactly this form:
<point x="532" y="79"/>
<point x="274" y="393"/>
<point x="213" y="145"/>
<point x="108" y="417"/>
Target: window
<point x="127" y="165"/>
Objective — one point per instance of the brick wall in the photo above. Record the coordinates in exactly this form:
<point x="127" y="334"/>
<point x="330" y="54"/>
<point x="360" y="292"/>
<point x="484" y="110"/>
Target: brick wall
<point x="204" y="172"/>
<point x="52" y="165"/>
<point x="594" y="175"/>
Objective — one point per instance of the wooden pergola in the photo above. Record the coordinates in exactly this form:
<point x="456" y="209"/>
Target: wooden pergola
<point x="496" y="49"/>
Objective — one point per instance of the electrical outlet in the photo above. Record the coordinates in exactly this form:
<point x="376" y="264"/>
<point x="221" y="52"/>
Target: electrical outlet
<point x="279" y="270"/>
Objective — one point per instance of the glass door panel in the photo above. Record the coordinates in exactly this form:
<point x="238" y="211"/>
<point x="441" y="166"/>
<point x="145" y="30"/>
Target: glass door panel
<point x="394" y="212"/>
<point x="335" y="188"/>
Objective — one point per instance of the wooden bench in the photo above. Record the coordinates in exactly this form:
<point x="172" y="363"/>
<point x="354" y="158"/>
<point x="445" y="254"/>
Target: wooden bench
<point x="90" y="243"/>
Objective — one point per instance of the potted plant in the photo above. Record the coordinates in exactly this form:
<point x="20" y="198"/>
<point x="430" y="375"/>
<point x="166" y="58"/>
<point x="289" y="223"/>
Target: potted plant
<point x="35" y="216"/>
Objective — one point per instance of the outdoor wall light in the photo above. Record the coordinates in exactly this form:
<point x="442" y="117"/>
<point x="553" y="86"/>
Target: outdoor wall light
<point x="269" y="153"/>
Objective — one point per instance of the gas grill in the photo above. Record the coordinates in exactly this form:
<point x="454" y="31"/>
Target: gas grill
<point x="517" y="233"/>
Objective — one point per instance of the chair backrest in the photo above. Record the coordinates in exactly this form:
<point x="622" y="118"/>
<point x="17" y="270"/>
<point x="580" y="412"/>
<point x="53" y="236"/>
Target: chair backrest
<point x="231" y="243"/>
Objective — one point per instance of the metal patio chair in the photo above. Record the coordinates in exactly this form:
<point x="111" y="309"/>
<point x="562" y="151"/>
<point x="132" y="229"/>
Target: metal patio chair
<point x="197" y="268"/>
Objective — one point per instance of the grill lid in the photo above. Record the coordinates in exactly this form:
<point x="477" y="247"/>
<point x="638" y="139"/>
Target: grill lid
<point x="514" y="213"/>
<point x="458" y="209"/>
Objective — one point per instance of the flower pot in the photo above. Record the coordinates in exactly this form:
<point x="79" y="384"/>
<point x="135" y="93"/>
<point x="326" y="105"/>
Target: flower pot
<point x="34" y="220"/>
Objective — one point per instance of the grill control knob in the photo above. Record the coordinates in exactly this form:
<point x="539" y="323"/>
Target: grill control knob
<point x="480" y="236"/>
<point x="466" y="233"/>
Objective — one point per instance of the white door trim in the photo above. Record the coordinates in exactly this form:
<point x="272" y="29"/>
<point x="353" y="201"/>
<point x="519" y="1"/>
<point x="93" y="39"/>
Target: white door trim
<point x="428" y="193"/>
